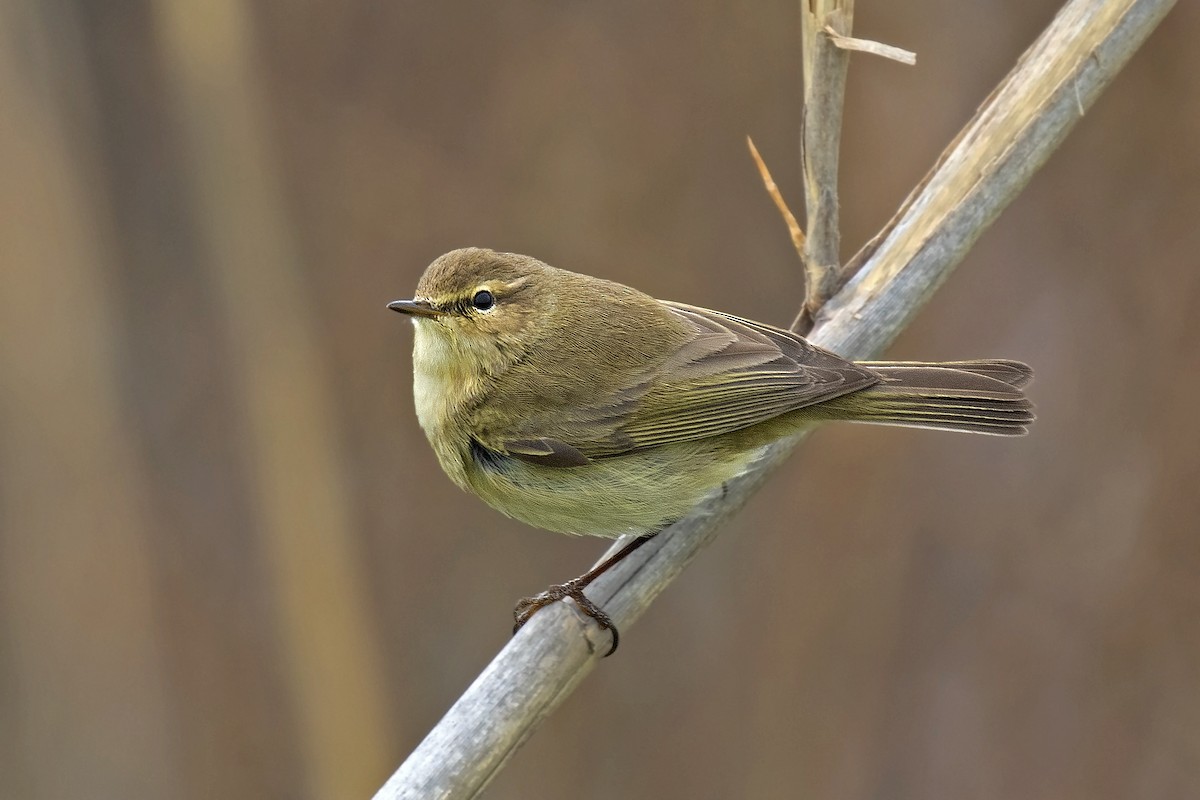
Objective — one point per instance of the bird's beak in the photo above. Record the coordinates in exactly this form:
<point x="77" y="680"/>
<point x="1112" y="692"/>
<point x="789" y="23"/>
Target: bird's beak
<point x="414" y="308"/>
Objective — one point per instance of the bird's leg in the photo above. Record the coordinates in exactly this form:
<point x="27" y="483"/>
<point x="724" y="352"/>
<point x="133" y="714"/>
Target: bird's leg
<point x="573" y="589"/>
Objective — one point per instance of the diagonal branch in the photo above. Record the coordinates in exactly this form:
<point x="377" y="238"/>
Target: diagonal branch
<point x="984" y="168"/>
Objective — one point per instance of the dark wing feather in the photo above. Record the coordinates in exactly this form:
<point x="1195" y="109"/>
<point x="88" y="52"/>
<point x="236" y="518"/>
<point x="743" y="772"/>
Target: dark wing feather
<point x="733" y="373"/>
<point x="547" y="452"/>
<point x="764" y="372"/>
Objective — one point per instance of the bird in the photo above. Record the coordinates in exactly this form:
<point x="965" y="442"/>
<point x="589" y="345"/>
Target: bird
<point x="583" y="406"/>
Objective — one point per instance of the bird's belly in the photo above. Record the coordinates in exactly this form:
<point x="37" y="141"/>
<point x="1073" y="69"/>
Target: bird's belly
<point x="632" y="493"/>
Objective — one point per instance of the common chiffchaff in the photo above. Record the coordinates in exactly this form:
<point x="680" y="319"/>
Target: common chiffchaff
<point x="583" y="406"/>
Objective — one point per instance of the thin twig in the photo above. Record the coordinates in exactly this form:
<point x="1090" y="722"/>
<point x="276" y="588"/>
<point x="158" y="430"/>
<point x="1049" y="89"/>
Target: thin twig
<point x="874" y="48"/>
<point x="789" y="219"/>
<point x="986" y="166"/>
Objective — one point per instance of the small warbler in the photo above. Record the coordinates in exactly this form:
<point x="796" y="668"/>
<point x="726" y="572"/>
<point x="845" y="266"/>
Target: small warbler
<point x="583" y="406"/>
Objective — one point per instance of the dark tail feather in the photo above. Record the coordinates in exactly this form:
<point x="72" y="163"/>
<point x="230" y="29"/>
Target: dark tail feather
<point x="972" y="396"/>
<point x="1014" y="373"/>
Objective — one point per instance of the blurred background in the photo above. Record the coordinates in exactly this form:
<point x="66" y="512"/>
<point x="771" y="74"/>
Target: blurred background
<point x="231" y="567"/>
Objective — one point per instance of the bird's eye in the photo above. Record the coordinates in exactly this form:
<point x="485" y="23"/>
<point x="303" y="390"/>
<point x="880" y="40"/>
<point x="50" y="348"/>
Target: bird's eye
<point x="483" y="300"/>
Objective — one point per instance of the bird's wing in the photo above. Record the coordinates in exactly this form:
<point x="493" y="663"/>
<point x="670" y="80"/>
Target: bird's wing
<point x="733" y="373"/>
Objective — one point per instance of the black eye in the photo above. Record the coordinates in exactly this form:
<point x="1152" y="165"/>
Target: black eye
<point x="483" y="300"/>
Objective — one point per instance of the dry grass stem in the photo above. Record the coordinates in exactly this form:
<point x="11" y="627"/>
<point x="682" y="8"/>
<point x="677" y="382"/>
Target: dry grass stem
<point x="825" y="67"/>
<point x="789" y="218"/>
<point x="874" y="48"/>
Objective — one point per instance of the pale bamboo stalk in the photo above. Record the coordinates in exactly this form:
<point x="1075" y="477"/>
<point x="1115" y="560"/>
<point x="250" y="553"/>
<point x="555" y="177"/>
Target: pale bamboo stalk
<point x="984" y="168"/>
<point x="87" y="708"/>
<point x="331" y="662"/>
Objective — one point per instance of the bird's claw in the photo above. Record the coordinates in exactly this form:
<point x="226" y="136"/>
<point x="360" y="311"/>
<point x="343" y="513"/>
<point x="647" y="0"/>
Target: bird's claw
<point x="528" y="606"/>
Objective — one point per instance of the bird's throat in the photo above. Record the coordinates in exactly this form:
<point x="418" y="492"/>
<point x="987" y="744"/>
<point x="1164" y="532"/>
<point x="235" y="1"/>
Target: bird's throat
<point x="443" y="381"/>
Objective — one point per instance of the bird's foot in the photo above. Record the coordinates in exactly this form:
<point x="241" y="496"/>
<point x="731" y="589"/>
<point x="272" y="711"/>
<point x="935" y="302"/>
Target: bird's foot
<point x="573" y="589"/>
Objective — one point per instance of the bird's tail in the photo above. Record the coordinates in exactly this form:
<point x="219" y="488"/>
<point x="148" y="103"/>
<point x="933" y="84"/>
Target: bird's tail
<point x="972" y="396"/>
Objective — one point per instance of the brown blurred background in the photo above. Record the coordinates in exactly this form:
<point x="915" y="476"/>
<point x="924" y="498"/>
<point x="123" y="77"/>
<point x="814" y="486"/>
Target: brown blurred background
<point x="230" y="566"/>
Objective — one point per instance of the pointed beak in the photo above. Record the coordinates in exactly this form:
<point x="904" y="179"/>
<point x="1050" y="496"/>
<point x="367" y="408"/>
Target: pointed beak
<point x="414" y="308"/>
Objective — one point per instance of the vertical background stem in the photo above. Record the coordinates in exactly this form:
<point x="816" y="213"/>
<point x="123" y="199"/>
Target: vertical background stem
<point x="825" y="68"/>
